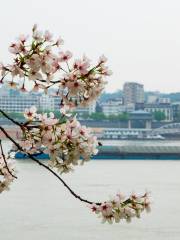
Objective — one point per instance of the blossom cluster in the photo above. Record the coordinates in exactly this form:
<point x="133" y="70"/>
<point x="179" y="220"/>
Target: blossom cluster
<point x="7" y="172"/>
<point x="41" y="63"/>
<point x="120" y="207"/>
<point x="65" y="140"/>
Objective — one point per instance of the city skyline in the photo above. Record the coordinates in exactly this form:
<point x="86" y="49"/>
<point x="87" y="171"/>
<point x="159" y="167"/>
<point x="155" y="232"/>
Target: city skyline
<point x="141" y="39"/>
<point x="118" y="89"/>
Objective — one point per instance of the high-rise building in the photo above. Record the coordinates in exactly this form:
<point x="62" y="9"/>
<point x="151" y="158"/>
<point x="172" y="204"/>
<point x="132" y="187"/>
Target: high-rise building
<point x="133" y="93"/>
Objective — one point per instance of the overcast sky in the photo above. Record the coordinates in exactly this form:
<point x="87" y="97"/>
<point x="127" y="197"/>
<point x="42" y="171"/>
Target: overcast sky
<point x="141" y="38"/>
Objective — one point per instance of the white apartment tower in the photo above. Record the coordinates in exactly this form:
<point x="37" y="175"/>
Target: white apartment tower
<point x="133" y="93"/>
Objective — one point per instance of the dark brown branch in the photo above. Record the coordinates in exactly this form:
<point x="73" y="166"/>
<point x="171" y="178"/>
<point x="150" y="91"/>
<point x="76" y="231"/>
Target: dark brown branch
<point x="4" y="158"/>
<point x="46" y="167"/>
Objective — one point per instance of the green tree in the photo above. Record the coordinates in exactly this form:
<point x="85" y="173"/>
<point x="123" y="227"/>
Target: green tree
<point x="123" y="116"/>
<point x="98" y="116"/>
<point x="159" y="116"/>
<point x="112" y="117"/>
<point x="120" y="117"/>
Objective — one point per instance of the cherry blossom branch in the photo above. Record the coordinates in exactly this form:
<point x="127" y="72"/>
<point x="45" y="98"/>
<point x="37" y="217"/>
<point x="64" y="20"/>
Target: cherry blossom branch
<point x="4" y="158"/>
<point x="32" y="157"/>
<point x="46" y="167"/>
<point x="113" y="210"/>
<point x="67" y="142"/>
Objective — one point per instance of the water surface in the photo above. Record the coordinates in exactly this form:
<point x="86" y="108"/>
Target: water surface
<point x="38" y="206"/>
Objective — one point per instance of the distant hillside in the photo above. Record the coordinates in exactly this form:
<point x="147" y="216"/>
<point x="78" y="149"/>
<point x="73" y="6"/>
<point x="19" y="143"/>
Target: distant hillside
<point x="106" y="96"/>
<point x="175" y="97"/>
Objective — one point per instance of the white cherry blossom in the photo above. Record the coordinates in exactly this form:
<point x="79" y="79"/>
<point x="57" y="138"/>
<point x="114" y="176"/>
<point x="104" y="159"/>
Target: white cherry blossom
<point x="30" y="113"/>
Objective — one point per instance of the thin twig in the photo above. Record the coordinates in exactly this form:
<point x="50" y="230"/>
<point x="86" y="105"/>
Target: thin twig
<point x="4" y="158"/>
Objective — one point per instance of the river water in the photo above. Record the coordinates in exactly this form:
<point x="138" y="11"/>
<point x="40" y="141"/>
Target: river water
<point x="38" y="207"/>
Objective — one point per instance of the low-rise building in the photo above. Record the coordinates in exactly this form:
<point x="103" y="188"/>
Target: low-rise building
<point x="152" y="98"/>
<point x="116" y="107"/>
<point x="46" y="103"/>
<point x="85" y="111"/>
<point x="113" y="107"/>
<point x="155" y="98"/>
<point x="164" y="108"/>
<point x="18" y="103"/>
<point x="176" y="111"/>
<point x="163" y="100"/>
<point x="15" y="101"/>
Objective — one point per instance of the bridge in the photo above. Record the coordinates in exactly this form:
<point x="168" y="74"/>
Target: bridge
<point x="171" y="128"/>
<point x="140" y="133"/>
